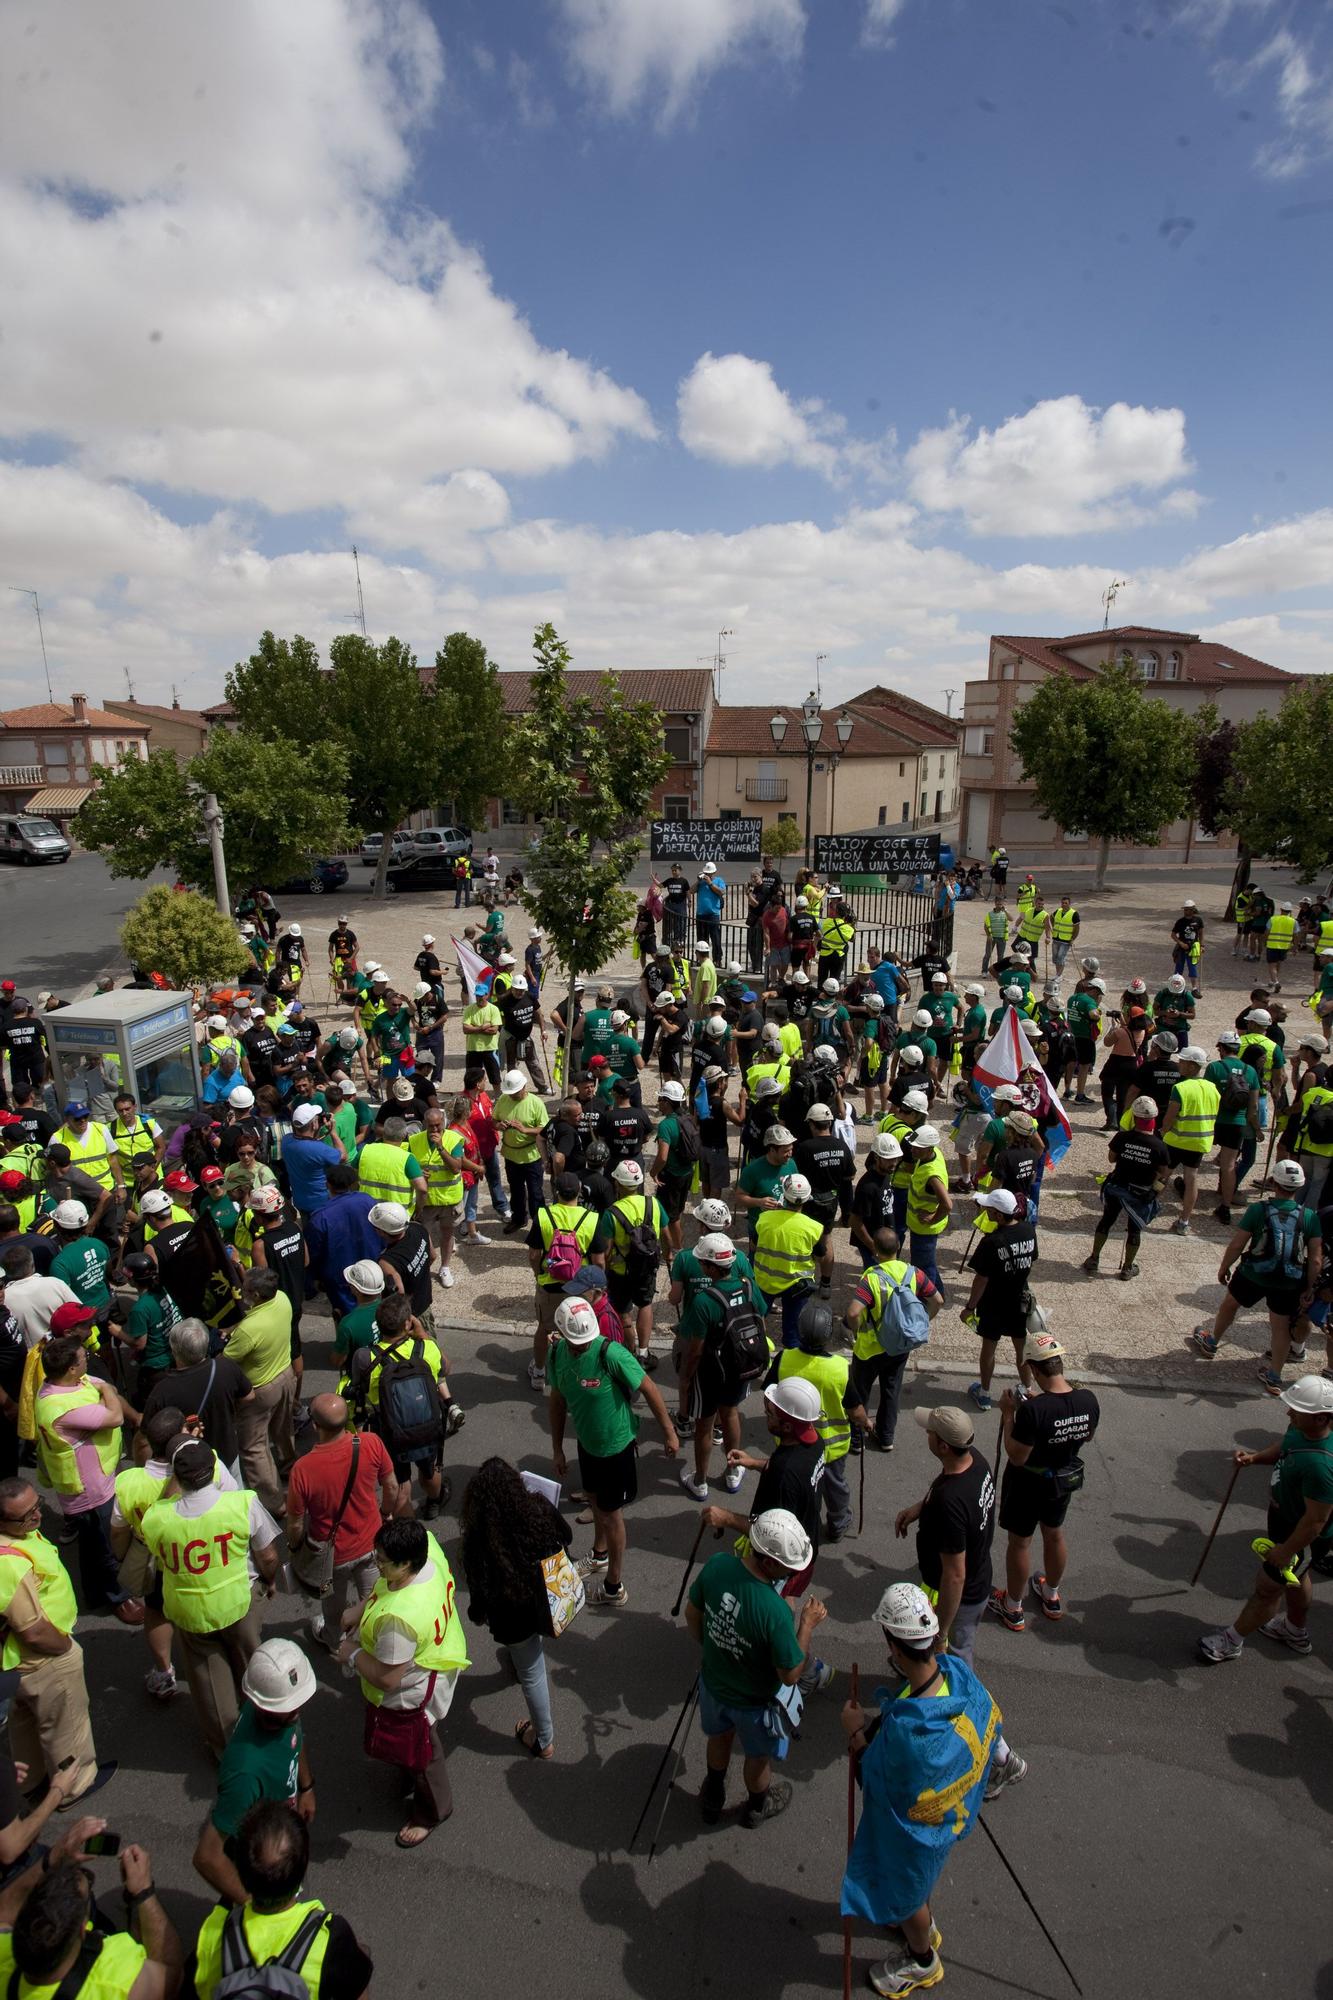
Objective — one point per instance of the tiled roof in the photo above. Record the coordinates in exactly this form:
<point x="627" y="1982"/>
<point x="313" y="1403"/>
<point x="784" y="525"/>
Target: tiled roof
<point x="58" y="715"/>
<point x="221" y="711"/>
<point x="153" y="712"/>
<point x="744" y="732"/>
<point x="915" y="719"/>
<point x="59" y="799"/>
<point x="671" y="691"/>
<point x="1204" y="663"/>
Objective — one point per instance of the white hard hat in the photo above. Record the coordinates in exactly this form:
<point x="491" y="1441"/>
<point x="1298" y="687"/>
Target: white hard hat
<point x="1097" y="985"/>
<point x="886" y="1147"/>
<point x="1193" y="1054"/>
<point x="912" y="1056"/>
<point x="715" y="1249"/>
<point x="826" y="1055"/>
<point x="389" y="1217"/>
<point x="771" y="1033"/>
<point x="293" y="930"/>
<point x="794" y="1190"/>
<point x="156" y="1202"/>
<point x="711" y="1213"/>
<point x="1289" y="1174"/>
<point x="924" y="1135"/>
<point x="715" y="1026"/>
<point x="372" y="965"/>
<point x="427" y="937"/>
<point x="279" y="1677"/>
<point x="703" y="949"/>
<point x="420" y="990"/>
<point x="514" y="1081"/>
<point x="403" y="1090"/>
<point x="922" y="1018"/>
<point x="619" y="1018"/>
<point x="796" y="1397"/>
<point x="780" y="1536"/>
<point x="800" y="978"/>
<point x="1189" y="904"/>
<point x="505" y="958"/>
<point x="830" y="986"/>
<point x="577" y="1321"/>
<point x="874" y="1003"/>
<point x="1030" y="1028"/>
<point x="363" y="1276"/>
<point x="1259" y="1017"/>
<point x="768" y="1086"/>
<point x="672" y="1093"/>
<point x="1315" y="1043"/>
<point x="628" y="1174"/>
<point x="1176" y="983"/>
<point x="1144" y="1107"/>
<point x="916" y="1100"/>
<point x="1012" y="993"/>
<point x="907" y="1613"/>
<point x="973" y="992"/>
<point x="70" y="1215"/>
<point x="778" y="1135"/>
<point x="268" y="1200"/>
<point x="536" y="931"/>
<point x="1022" y="949"/>
<point x="1311" y="1395"/>
<point x="348" y="1037"/>
<point x="710" y="868"/>
<point x="819" y="1114"/>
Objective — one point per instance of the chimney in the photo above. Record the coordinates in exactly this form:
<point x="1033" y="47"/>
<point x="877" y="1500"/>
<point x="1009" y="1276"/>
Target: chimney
<point x="80" y="702"/>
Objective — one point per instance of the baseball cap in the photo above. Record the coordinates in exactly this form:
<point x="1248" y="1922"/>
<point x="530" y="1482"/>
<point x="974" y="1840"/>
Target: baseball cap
<point x="180" y="1182"/>
<point x="308" y="1114"/>
<point x="209" y="1176"/>
<point x="1193" y="1054"/>
<point x="587" y="1279"/>
<point x="11" y="1181"/>
<point x="75" y="1109"/>
<point x="952" y="1425"/>
<point x="217" y="1023"/>
<point x="1311" y="1395"/>
<point x="363" y="1276"/>
<point x="69" y="1318"/>
<point x="1259" y="1017"/>
<point x="1000" y="1201"/>
<point x="390" y="1217"/>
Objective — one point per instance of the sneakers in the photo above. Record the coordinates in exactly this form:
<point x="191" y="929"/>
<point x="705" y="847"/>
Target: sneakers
<point x="444" y="1276"/>
<point x="589" y="1565"/>
<point x="901" y="1974"/>
<point x="696" y="1488"/>
<point x="647" y="1359"/>
<point x="161" y="1682"/>
<point x="1047" y="1599"/>
<point x="732" y="1478"/>
<point x="1295" y="1352"/>
<point x="979" y="1397"/>
<point x="1012" y="1772"/>
<point x="320" y="1632"/>
<point x="602" y="1599"/>
<point x="477" y="1237"/>
<point x="1271" y="1380"/>
<point x="1221" y="1213"/>
<point x="536" y="1376"/>
<point x="776" y="1800"/>
<point x="712" y="1797"/>
<point x="1203" y="1342"/>
<point x="1180" y="1227"/>
<point x="1014" y="1620"/>
<point x="1219" y="1646"/>
<point x="823" y="1679"/>
<point x="1296" y="1637"/>
<point x="455" y="1420"/>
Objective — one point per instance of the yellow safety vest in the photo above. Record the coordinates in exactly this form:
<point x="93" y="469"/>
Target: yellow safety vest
<point x="1062" y="925"/>
<point x="784" y="1246"/>
<point x="120" y="1960"/>
<point x="997" y="924"/>
<point x="757" y="1071"/>
<point x="835" y="935"/>
<point x="1031" y="925"/>
<point x="1324" y="941"/>
<point x="919" y="1202"/>
<point x="1025" y="894"/>
<point x="427" y="1609"/>
<point x="1310" y="1099"/>
<point x="202" y="1561"/>
<point x="32" y="1556"/>
<point x="56" y="1456"/>
<point x="137" y="1489"/>
<point x="1281" y="931"/>
<point x="136" y="1143"/>
<point x="899" y="1129"/>
<point x="622" y="1221"/>
<point x="266" y="1936"/>
<point x="444" y="1175"/>
<point x="382" y="1173"/>
<point x="829" y="1373"/>
<point x="792" y="1044"/>
<point x="217" y="1046"/>
<point x="1196" y="1114"/>
<point x="369" y="1012"/>
<point x="879" y="1281"/>
<point x="90" y="1152"/>
<point x="1267" y="1049"/>
<point x="570" y="1215"/>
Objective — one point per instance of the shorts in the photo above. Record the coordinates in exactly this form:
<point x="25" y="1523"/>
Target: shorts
<point x="757" y="1728"/>
<point x="1229" y="1137"/>
<point x="713" y="1390"/>
<point x="1278" y="1531"/>
<point x="1284" y="1301"/>
<point x="1029" y="1500"/>
<point x="715" y="1167"/>
<point x="673" y="1191"/>
<point x="1085" y="1049"/>
<point x="1181" y="1156"/>
<point x="550" y="1298"/>
<point x="627" y="1294"/>
<point x="1274" y="957"/>
<point x="970" y="1128"/>
<point x="611" y="1482"/>
<point x="428" y="1458"/>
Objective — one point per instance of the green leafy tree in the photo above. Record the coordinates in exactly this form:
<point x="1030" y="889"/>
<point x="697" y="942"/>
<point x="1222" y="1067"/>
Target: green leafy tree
<point x="1106" y="759"/>
<point x="1278" y="801"/>
<point x="466" y="723"/>
<point x="782" y="839"/>
<point x="278" y="692"/>
<point x="183" y="936"/>
<point x="587" y="773"/>
<point x="1216" y="742"/>
<point x="377" y="707"/>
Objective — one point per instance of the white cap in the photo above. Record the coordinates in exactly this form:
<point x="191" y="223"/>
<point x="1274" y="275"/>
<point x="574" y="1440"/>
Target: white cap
<point x="427" y="937"/>
<point x="778" y="1135"/>
<point x="577" y="1321"/>
<point x="924" y="1135"/>
<point x="796" y="1397"/>
<point x="217" y="1024"/>
<point x="70" y="1215"/>
<point x="278" y="1677"/>
<point x="1259" y="1017"/>
<point x="420" y="990"/>
<point x="794" y="1190"/>
<point x="780" y="1536"/>
<point x="305" y="1114"/>
<point x="715" y="1248"/>
<point x="513" y="1082"/>
<point x="672" y="1093"/>
<point x="922" y="1018"/>
<point x="1311" y="1395"/>
<point x="907" y="1613"/>
<point x="156" y="1202"/>
<point x="1193" y="1054"/>
<point x="628" y="1174"/>
<point x="713" y="1214"/>
<point x="389" y="1217"/>
<point x="916" y="1100"/>
<point x="1000" y="1201"/>
<point x="886" y="1147"/>
<point x="363" y="1276"/>
<point x="819" y="1114"/>
<point x="293" y="930"/>
<point x="1289" y="1174"/>
<point x="1315" y="1043"/>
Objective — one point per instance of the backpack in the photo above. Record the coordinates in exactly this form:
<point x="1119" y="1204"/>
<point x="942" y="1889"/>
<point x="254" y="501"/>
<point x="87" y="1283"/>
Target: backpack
<point x="564" y="1258"/>
<point x="904" y="1322"/>
<point x="687" y="1144"/>
<point x="280" y="1979"/>
<point x="1319" y="1124"/>
<point x="1235" y="1094"/>
<point x="740" y="1343"/>
<point x="1283" y="1253"/>
<point x="410" y="1415"/>
<point x="643" y="1246"/>
<point x="609" y="1320"/>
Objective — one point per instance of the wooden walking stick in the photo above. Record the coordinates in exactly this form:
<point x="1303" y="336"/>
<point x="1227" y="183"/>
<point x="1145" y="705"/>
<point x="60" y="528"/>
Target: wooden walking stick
<point x="851" y="1836"/>
<point x="1198" y="1570"/>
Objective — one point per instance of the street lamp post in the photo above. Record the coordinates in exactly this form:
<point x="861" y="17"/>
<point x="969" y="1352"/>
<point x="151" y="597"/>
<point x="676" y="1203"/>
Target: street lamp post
<point x="845" y="724"/>
<point x="812" y="728"/>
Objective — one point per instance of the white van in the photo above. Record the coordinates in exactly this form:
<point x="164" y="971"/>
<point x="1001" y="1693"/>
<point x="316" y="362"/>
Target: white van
<point x="27" y="838"/>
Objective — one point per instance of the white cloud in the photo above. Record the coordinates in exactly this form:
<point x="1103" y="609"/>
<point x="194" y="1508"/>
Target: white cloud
<point x="1290" y="555"/>
<point x="1299" y="59"/>
<point x="881" y="17"/>
<point x="1063" y="468"/>
<point x="630" y="51"/>
<point x="730" y="409"/>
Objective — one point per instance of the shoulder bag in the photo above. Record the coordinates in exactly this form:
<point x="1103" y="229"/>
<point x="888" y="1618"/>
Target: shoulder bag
<point x="312" y="1562"/>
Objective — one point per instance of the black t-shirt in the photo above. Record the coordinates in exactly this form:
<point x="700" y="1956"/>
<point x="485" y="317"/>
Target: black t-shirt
<point x="305" y="1036"/>
<point x="567" y="1140"/>
<point x="676" y="893"/>
<point x="590" y="1112"/>
<point x="410" y="1258"/>
<point x="26" y="1039"/>
<point x="36" y="1126"/>
<point x="345" y="1974"/>
<point x="1140" y="1159"/>
<point x="596" y="1190"/>
<point x="1005" y="1259"/>
<point x="1159" y="1079"/>
<point x="290" y="949"/>
<point x="959" y="1519"/>
<point x="13" y="1354"/>
<point x="167" y="1240"/>
<point x="656" y="979"/>
<point x="792" y="1479"/>
<point x="1188" y="930"/>
<point x="342" y="941"/>
<point x="427" y="966"/>
<point x="872" y="1200"/>
<point x="625" y="1130"/>
<point x="769" y="884"/>
<point x="1015" y="1168"/>
<point x="187" y="1388"/>
<point x="826" y="1164"/>
<point x="43" y="1249"/>
<point x="519" y="1011"/>
<point x="800" y="1002"/>
<point x="749" y="1022"/>
<point x="284" y="1249"/>
<point x="803" y="927"/>
<point x="261" y="1046"/>
<point x="929" y="964"/>
<point x="1056" y="1426"/>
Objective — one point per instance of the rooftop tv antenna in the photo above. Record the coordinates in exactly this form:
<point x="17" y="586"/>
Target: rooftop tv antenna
<point x="718" y="660"/>
<point x="819" y="685"/>
<point x="1109" y="596"/>
<point x="129" y="686"/>
<point x="23" y="591"/>
<point x="360" y="600"/>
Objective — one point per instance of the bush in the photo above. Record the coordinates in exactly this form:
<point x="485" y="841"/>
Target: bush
<point x="183" y="936"/>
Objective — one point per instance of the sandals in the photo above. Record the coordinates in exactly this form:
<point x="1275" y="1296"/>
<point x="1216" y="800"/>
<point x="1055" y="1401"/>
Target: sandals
<point x="525" y="1732"/>
<point x="419" y="1833"/>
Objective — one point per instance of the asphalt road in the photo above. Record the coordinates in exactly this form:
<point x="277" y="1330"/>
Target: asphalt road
<point x="1173" y="1829"/>
<point x="60" y="923"/>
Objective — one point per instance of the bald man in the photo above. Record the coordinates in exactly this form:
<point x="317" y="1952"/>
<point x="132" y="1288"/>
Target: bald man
<point x="340" y="1491"/>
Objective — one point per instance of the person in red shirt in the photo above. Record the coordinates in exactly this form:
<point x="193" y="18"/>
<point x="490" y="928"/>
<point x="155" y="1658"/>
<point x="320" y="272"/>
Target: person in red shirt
<point x="315" y="1495"/>
<point x="486" y="1132"/>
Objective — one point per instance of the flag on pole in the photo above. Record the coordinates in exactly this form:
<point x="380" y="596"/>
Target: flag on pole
<point x="1008" y="1058"/>
<point x="472" y="965"/>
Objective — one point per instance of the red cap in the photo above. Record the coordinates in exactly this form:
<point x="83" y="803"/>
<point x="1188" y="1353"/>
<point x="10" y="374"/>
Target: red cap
<point x="6" y="986"/>
<point x="68" y="1319"/>
<point x="180" y="1183"/>
<point x="8" y="1118"/>
<point x="209" y="1176"/>
<point x="10" y="1182"/>
<point x="599" y="1062"/>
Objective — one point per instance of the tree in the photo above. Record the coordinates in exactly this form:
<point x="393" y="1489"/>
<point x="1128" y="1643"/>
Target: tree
<point x="1216" y="741"/>
<point x="466" y="710"/>
<point x="1278" y="801"/>
<point x="782" y="839"/>
<point x="376" y="705"/>
<point x="1104" y="758"/>
<point x="281" y="806"/>
<point x="278" y="692"/>
<point x="587" y="774"/>
<point x="183" y="936"/>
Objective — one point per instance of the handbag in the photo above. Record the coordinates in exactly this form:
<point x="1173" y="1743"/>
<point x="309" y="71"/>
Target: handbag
<point x="401" y="1736"/>
<point x="312" y="1562"/>
<point x="565" y="1595"/>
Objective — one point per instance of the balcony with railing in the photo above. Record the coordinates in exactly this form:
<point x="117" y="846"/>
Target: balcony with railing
<point x="771" y="791"/>
<point x="21" y="774"/>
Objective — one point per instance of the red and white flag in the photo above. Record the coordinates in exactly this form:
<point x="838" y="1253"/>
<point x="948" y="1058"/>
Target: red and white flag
<point x="472" y="966"/>
<point x="1009" y="1057"/>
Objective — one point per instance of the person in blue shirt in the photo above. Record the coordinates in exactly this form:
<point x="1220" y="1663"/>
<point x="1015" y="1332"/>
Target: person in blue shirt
<point x="307" y="1157"/>
<point x="339" y="1235"/>
<point x="710" y="892"/>
<point x="890" y="982"/>
<point x="224" y="1076"/>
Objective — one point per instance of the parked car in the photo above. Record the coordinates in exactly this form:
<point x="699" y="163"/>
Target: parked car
<point x="28" y="838"/>
<point x="421" y="871"/>
<point x="440" y="842"/>
<point x="370" y="848"/>
<point x="320" y="879"/>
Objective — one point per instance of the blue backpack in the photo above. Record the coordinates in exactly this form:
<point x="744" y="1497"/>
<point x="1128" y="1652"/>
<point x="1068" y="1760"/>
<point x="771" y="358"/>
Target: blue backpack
<point x="904" y="1323"/>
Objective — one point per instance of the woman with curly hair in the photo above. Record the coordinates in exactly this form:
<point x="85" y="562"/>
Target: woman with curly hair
<point x="507" y="1532"/>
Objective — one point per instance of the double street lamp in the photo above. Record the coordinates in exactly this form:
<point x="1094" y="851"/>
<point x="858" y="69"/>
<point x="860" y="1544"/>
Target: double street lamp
<point x="812" y="728"/>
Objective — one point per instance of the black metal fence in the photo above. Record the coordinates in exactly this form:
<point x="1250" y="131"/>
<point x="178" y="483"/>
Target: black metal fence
<point x="899" y="920"/>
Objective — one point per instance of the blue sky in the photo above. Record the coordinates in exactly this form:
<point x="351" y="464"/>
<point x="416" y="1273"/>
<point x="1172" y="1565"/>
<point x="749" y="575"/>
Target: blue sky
<point x="861" y="326"/>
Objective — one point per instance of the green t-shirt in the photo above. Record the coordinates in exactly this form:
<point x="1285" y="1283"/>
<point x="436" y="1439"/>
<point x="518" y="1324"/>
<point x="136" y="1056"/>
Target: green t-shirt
<point x="1082" y="1014"/>
<point x="668" y="1134"/>
<point x="82" y="1265"/>
<point x="531" y="1113"/>
<point x="344" y="1122"/>
<point x="688" y="1272"/>
<point x="702" y="1315"/>
<point x="393" y="1032"/>
<point x="994" y="1135"/>
<point x="942" y="1007"/>
<point x="334" y="1055"/>
<point x="1218" y="1073"/>
<point x="151" y="1319"/>
<point x="1167" y="1002"/>
<point x="1254" y="1220"/>
<point x="597" y="1033"/>
<point x="597" y="1382"/>
<point x="974" y="1023"/>
<point x="1303" y="1472"/>
<point x="1325" y="988"/>
<point x="224" y="1213"/>
<point x="749" y="1635"/>
<point x="760" y="1178"/>
<point x="622" y="1052"/>
<point x="358" y="1328"/>
<point x="258" y="1763"/>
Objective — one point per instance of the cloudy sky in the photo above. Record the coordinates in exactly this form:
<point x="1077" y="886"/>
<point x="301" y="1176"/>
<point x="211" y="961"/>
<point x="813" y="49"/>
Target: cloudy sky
<point x="862" y="327"/>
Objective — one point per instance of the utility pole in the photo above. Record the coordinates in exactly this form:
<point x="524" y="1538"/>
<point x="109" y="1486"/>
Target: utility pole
<point x="37" y="607"/>
<point x="360" y="600"/>
<point x="213" y="822"/>
<point x="949" y="694"/>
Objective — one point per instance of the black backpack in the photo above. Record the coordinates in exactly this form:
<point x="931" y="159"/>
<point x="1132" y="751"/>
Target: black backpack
<point x="687" y="1145"/>
<point x="1319" y="1124"/>
<point x="643" y="1246"/>
<point x="1235" y="1094"/>
<point x="410" y="1417"/>
<point x="740" y="1343"/>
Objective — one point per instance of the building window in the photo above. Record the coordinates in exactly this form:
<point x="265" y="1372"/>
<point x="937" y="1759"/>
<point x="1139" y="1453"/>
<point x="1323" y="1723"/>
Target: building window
<point x="988" y="742"/>
<point x="787" y="815"/>
<point x="1172" y="669"/>
<point x="20" y="749"/>
<point x="941" y="767"/>
<point x="1205" y="839"/>
<point x="883" y="815"/>
<point x="675" y="805"/>
<point x="902" y="768"/>
<point x="1007" y="669"/>
<point x="676" y="737"/>
<point x="1074" y="836"/>
<point x="939" y="807"/>
<point x="1148" y="664"/>
<point x="923" y="805"/>
<point x="511" y="814"/>
<point x="907" y="812"/>
<point x="57" y="755"/>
